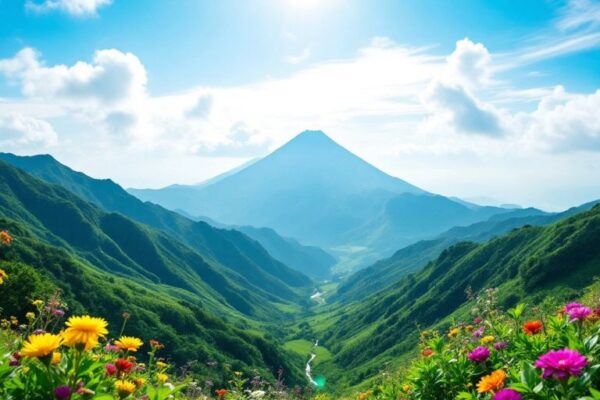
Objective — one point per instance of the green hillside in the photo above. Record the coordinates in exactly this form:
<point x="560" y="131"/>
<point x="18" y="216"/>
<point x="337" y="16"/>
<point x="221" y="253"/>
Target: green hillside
<point x="525" y="264"/>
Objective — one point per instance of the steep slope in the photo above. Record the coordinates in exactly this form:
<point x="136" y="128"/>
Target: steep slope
<point x="227" y="247"/>
<point x="310" y="260"/>
<point x="525" y="264"/>
<point x="115" y="243"/>
<point x="179" y="319"/>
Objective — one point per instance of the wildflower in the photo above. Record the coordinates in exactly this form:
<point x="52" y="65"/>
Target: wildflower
<point x="221" y="393"/>
<point x="492" y="382"/>
<point x="5" y="238"/>
<point x="533" y="327"/>
<point x="507" y="394"/>
<point x="111" y="369"/>
<point x="487" y="339"/>
<point x="454" y="332"/>
<point x="161" y="365"/>
<point x="479" y="332"/>
<point x="139" y="382"/>
<point x="479" y="354"/>
<point x="561" y="364"/>
<point x="129" y="343"/>
<point x="124" y="387"/>
<point x="406" y="388"/>
<point x="156" y="345"/>
<point x="365" y="395"/>
<point x="111" y="347"/>
<point x="123" y="365"/>
<point x="500" y="345"/>
<point x="30" y="316"/>
<point x="37" y="303"/>
<point x="62" y="392"/>
<point x="3" y="276"/>
<point x="577" y="312"/>
<point x="58" y="312"/>
<point x="469" y="328"/>
<point x="41" y="345"/>
<point x="425" y="334"/>
<point x="84" y="330"/>
<point x="477" y="320"/>
<point x="427" y="352"/>
<point x="162" y="377"/>
<point x="257" y="394"/>
<point x="56" y="357"/>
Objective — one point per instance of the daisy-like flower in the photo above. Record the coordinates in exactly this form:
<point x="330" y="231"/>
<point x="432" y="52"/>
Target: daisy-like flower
<point x="561" y="364"/>
<point x="533" y="327"/>
<point x="507" y="394"/>
<point x="492" y="382"/>
<point x="41" y="345"/>
<point x="5" y="238"/>
<point x="84" y="330"/>
<point x="129" y="343"/>
<point x="124" y="388"/>
<point x="3" y="276"/>
<point x="487" y="339"/>
<point x="453" y="332"/>
<point x="479" y="354"/>
<point x="162" y="377"/>
<point x="577" y="312"/>
<point x="123" y="365"/>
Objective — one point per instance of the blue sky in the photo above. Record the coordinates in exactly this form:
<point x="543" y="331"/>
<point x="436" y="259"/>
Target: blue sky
<point x="467" y="98"/>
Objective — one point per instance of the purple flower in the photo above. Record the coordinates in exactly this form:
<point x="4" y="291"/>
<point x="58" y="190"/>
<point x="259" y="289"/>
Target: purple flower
<point x="507" y="394"/>
<point x="561" y="364"/>
<point x="577" y="312"/>
<point x="58" y="312"/>
<point x="500" y="345"/>
<point x="111" y="347"/>
<point x="479" y="332"/>
<point x="479" y="354"/>
<point x="62" y="392"/>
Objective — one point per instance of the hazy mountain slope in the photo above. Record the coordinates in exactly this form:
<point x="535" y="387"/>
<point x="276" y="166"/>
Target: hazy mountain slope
<point x="228" y="247"/>
<point x="310" y="260"/>
<point x="525" y="264"/>
<point x="117" y="244"/>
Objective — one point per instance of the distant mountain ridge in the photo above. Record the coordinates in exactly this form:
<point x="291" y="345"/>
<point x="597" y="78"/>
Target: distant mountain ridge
<point x="316" y="191"/>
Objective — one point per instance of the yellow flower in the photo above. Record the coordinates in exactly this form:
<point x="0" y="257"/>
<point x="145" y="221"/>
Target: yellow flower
<point x="84" y="330"/>
<point x="454" y="332"/>
<point x="124" y="388"/>
<point x="406" y="387"/>
<point x="365" y="395"/>
<point x="41" y="345"/>
<point x="469" y="328"/>
<point x="129" y="343"/>
<point x="37" y="303"/>
<point x="492" y="382"/>
<point x="139" y="382"/>
<point x="30" y="315"/>
<point x="162" y="377"/>
<point x="161" y="365"/>
<point x="487" y="339"/>
<point x="3" y="276"/>
<point x="56" y="357"/>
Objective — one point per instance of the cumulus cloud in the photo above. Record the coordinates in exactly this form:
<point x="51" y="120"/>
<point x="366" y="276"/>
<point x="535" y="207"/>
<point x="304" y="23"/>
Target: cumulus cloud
<point x="469" y="64"/>
<point x="241" y="141"/>
<point x="201" y="108"/>
<point x="18" y="130"/>
<point x="77" y="8"/>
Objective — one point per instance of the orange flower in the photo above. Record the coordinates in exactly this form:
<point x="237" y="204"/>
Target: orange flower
<point x="221" y="393"/>
<point x="492" y="382"/>
<point x="533" y="327"/>
<point x="5" y="238"/>
<point x="427" y="352"/>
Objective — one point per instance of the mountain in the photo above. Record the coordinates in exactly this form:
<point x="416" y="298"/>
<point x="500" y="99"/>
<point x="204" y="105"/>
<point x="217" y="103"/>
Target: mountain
<point x="118" y="244"/>
<point x="525" y="265"/>
<point x="316" y="191"/>
<point x="227" y="247"/>
<point x="311" y="260"/>
<point x="106" y="264"/>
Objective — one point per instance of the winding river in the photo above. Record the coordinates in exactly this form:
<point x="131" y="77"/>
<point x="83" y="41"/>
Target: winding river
<point x="308" y="369"/>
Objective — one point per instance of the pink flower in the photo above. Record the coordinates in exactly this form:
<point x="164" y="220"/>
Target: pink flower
<point x="507" y="394"/>
<point x="500" y="345"/>
<point x="111" y="369"/>
<point x="479" y="354"/>
<point x="561" y="364"/>
<point x="577" y="312"/>
<point x="479" y="332"/>
<point x="111" y="347"/>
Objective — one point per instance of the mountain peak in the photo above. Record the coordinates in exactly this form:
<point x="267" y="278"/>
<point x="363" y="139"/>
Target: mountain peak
<point x="312" y="137"/>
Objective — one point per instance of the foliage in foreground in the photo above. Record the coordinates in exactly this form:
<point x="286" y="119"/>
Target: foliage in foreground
<point x="505" y="356"/>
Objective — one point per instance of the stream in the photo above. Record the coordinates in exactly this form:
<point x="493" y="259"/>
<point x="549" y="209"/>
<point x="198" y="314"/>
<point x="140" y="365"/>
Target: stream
<point x="308" y="369"/>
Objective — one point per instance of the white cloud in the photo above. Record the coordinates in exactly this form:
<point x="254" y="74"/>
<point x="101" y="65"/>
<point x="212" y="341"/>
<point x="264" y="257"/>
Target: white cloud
<point x="300" y="58"/>
<point x="579" y="14"/>
<point x="20" y="131"/>
<point x="77" y="8"/>
<point x="469" y="64"/>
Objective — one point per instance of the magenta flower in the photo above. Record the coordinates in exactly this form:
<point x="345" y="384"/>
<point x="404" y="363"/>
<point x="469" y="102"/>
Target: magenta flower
<point x="111" y="369"/>
<point x="577" y="312"/>
<point x="111" y="347"/>
<point x="62" y="392"/>
<point x="58" y="312"/>
<point x="479" y="354"/>
<point x="478" y="332"/>
<point x="561" y="364"/>
<point x="507" y="394"/>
